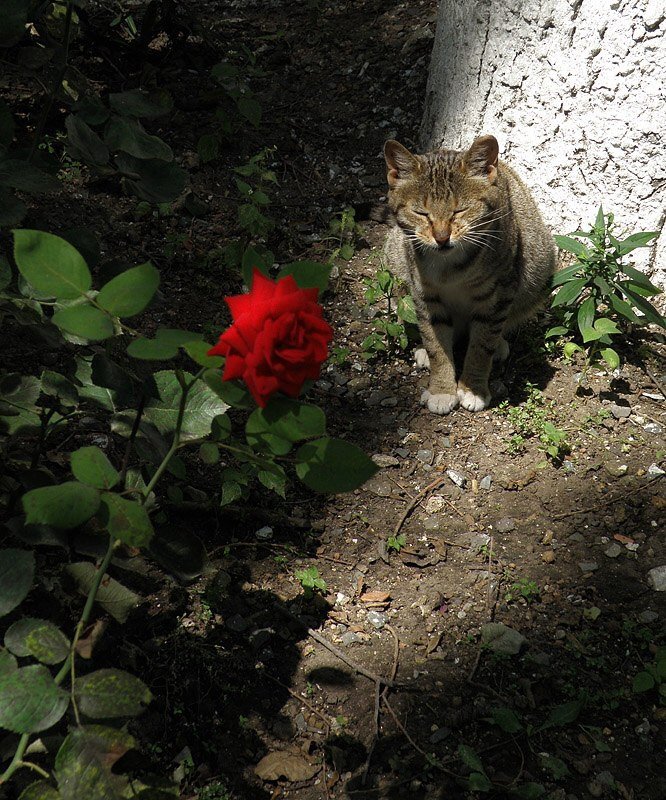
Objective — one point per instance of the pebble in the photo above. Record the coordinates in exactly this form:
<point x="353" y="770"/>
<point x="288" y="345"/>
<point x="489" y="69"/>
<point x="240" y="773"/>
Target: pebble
<point x="595" y="788"/>
<point x="432" y="523"/>
<point x="548" y="556"/>
<point x="501" y="638"/>
<point x="505" y="525"/>
<point x="403" y="452"/>
<point x="379" y="487"/>
<point x="486" y="482"/>
<point x="376" y="619"/>
<point x="644" y="728"/>
<point x="389" y="402"/>
<point x="656" y="577"/>
<point x="620" y="412"/>
<point x="652" y="427"/>
<point x="459" y="479"/>
<point x="435" y="503"/>
<point x="588" y="566"/>
<point x="349" y="638"/>
<point x="445" y="441"/>
<point x="655" y="469"/>
<point x="382" y="460"/>
<point x="264" y="534"/>
<point x="646" y="617"/>
<point x="425" y="456"/>
<point x="613" y="551"/>
<point x="477" y="540"/>
<point x="576" y="537"/>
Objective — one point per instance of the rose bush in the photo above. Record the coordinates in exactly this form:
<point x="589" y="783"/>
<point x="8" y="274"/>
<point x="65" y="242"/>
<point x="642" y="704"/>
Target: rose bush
<point x="278" y="339"/>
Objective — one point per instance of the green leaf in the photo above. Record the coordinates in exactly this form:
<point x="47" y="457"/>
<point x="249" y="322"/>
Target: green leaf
<point x="164" y="346"/>
<point x="570" y="245"/>
<point x="568" y="292"/>
<point x="99" y="395"/>
<point x="557" y="330"/>
<point x="30" y="701"/>
<point x="479" y="782"/>
<point x="250" y="109"/>
<point x="591" y="335"/>
<point x="129" y="136"/>
<point x="91" y="109"/>
<point x="65" y="506"/>
<point x="557" y="768"/>
<point x="141" y="104"/>
<point x="130" y="292"/>
<point x="308" y="274"/>
<point x="84" y="321"/>
<point x="153" y="180"/>
<point x="126" y="520"/>
<point x="642" y="239"/>
<point x="37" y="638"/>
<point x="232" y="392"/>
<point x="230" y="492"/>
<point x="642" y="682"/>
<point x="111" y="693"/>
<point x="606" y="326"/>
<point x="26" y="178"/>
<point x="19" y="394"/>
<point x="91" y="466"/>
<point x="570" y="348"/>
<point x="332" y="465"/>
<point x="83" y="144"/>
<point x="506" y="719"/>
<point x="209" y="147"/>
<point x="639" y="278"/>
<point x="112" y="596"/>
<point x="56" y="385"/>
<point x="197" y="351"/>
<point x="622" y="308"/>
<point x="84" y="761"/>
<point x="650" y="312"/>
<point x="51" y="264"/>
<point x="17" y="572"/>
<point x="220" y="428"/>
<point x="7" y="662"/>
<point x="470" y="758"/>
<point x="203" y="405"/>
<point x="562" y="715"/>
<point x="406" y="310"/>
<point x="274" y="479"/>
<point x="600" y="222"/>
<point x="586" y="312"/>
<point x="283" y="422"/>
<point x="209" y="453"/>
<point x="41" y="790"/>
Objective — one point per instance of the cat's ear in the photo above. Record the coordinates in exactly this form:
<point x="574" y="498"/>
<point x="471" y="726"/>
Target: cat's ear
<point x="399" y="162"/>
<point x="481" y="158"/>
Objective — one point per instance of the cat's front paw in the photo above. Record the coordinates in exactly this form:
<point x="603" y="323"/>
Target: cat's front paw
<point x="473" y="401"/>
<point x="439" y="403"/>
<point x="422" y="358"/>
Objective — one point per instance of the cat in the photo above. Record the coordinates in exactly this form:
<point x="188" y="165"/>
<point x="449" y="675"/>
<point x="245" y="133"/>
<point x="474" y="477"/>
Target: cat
<point x="470" y="242"/>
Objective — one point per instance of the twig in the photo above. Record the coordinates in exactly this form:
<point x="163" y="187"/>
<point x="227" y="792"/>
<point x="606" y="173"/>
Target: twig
<point x="654" y="380"/>
<point x="300" y="699"/>
<point x="607" y="502"/>
<point x="333" y="649"/>
<point x="417" y="499"/>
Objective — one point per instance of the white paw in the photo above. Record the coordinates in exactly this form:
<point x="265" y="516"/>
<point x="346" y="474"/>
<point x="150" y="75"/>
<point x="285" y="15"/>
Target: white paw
<point x="471" y="401"/>
<point x="422" y="358"/>
<point x="439" y="403"/>
<point x="502" y="351"/>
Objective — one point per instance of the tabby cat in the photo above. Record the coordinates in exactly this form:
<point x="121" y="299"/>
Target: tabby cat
<point x="477" y="256"/>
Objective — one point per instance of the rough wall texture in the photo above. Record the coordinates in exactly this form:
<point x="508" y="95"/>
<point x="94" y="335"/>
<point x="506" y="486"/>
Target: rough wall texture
<point x="575" y="93"/>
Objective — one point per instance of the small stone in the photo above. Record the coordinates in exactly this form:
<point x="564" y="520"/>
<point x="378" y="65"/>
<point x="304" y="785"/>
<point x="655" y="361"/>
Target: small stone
<point x="439" y="735"/>
<point x="606" y="778"/>
<point x="459" y="479"/>
<point x="655" y="469"/>
<point x="588" y="566"/>
<point x="501" y="638"/>
<point x="432" y="523"/>
<point x="613" y="551"/>
<point x="403" y="452"/>
<point x="445" y="441"/>
<point x="379" y="486"/>
<point x="576" y="537"/>
<point x="389" y="402"/>
<point x="568" y="466"/>
<point x="595" y="788"/>
<point x="264" y="534"/>
<point x="349" y="638"/>
<point x="435" y="503"/>
<point x="620" y="412"/>
<point x="548" y="556"/>
<point x="382" y="460"/>
<point x="653" y="427"/>
<point x="341" y="599"/>
<point x="477" y="540"/>
<point x="425" y="456"/>
<point x="505" y="525"/>
<point x="376" y="619"/>
<point x="547" y="538"/>
<point x="486" y="482"/>
<point x="647" y="617"/>
<point x="656" y="578"/>
<point x="643" y="729"/>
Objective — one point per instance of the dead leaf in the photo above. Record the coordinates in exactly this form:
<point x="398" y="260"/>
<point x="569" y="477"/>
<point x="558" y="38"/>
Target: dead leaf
<point x="419" y="558"/>
<point x="281" y="764"/>
<point x="376" y="597"/>
<point x="619" y="537"/>
<point x="91" y="635"/>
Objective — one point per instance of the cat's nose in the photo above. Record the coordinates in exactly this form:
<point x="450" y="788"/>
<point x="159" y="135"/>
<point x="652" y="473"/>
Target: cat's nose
<point x="441" y="237"/>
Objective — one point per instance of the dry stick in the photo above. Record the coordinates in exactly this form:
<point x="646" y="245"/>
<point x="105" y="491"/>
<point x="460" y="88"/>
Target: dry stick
<point x="333" y="649"/>
<point x="300" y="699"/>
<point x="417" y="499"/>
<point x="608" y="502"/>
<point x="654" y="380"/>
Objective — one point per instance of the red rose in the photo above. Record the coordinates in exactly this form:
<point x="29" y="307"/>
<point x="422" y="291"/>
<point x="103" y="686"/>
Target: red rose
<point x="278" y="339"/>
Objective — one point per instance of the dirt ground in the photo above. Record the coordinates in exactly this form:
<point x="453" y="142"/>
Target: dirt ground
<point x="494" y="531"/>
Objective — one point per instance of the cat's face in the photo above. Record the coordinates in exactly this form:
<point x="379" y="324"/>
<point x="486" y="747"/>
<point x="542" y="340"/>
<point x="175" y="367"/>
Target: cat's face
<point x="445" y="199"/>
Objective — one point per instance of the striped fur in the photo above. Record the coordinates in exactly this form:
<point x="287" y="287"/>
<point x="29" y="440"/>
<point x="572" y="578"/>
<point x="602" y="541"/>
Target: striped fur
<point x="469" y="240"/>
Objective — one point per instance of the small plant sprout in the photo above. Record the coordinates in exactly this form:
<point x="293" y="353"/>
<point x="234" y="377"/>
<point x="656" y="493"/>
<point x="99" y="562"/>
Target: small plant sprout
<point x="523" y="588"/>
<point x="311" y="581"/>
<point x="532" y="420"/>
<point x="394" y="313"/>
<point x="600" y="295"/>
<point x="396" y="542"/>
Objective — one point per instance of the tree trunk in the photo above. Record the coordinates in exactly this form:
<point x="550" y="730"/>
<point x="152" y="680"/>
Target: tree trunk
<point x="575" y="93"/>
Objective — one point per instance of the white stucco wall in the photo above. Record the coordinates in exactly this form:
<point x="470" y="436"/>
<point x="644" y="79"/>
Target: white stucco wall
<point x="575" y="93"/>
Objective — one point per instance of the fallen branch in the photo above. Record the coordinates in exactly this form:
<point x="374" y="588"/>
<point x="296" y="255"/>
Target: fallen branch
<point x="608" y="501"/>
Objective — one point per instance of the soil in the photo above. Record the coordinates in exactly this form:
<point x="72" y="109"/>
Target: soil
<point x="494" y="530"/>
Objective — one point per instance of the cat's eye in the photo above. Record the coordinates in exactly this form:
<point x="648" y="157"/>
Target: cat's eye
<point x="460" y="210"/>
<point x="421" y="213"/>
